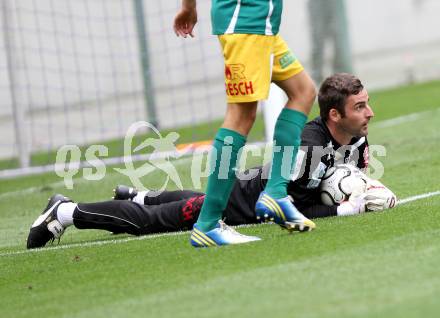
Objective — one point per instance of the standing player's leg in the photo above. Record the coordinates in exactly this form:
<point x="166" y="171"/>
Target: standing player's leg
<point x="247" y="80"/>
<point x="289" y="75"/>
<point x="223" y="160"/>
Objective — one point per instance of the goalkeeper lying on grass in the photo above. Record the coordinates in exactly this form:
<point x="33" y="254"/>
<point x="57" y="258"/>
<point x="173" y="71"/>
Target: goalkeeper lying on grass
<point x="337" y="136"/>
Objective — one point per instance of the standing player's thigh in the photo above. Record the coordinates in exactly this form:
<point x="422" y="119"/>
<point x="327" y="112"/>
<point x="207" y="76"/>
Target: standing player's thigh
<point x="247" y="66"/>
<point x="300" y="90"/>
<point x="290" y="76"/>
<point x="285" y="63"/>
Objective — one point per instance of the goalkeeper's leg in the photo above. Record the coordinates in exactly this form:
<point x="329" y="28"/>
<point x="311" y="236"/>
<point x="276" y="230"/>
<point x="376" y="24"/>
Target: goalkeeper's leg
<point x="116" y="216"/>
<point x="123" y="192"/>
<point x="137" y="219"/>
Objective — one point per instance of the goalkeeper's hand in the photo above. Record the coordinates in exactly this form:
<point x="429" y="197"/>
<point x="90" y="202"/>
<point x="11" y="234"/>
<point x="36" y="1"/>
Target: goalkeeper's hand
<point x="378" y="197"/>
<point x="356" y="204"/>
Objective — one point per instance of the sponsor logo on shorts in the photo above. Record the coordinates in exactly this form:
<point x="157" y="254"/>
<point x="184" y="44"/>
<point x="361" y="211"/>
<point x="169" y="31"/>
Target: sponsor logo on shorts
<point x="237" y="85"/>
<point x="234" y="72"/>
<point x="287" y="59"/>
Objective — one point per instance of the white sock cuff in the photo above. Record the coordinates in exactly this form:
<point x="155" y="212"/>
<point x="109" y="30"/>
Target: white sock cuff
<point x="65" y="213"/>
<point x="140" y="197"/>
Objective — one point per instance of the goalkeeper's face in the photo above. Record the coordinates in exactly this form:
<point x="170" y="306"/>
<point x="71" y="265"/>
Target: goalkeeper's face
<point x="357" y="115"/>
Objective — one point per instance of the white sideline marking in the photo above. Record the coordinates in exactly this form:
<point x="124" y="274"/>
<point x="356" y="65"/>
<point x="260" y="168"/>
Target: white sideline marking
<point x="5" y="174"/>
<point x="19" y="172"/>
<point x="418" y="197"/>
<point x="403" y="119"/>
<point x="114" y="241"/>
<point x="78" y="180"/>
<point x="152" y="236"/>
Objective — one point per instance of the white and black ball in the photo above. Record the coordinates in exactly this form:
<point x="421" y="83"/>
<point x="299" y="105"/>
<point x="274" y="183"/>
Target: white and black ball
<point x="339" y="182"/>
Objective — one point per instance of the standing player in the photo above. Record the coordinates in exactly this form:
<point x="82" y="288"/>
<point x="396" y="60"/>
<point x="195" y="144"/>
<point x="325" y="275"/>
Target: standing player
<point x="254" y="55"/>
<point x="338" y="136"/>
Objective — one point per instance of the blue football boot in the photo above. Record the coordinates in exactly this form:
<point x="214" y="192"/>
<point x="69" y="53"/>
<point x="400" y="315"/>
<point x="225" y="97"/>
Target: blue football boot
<point x="283" y="212"/>
<point x="220" y="235"/>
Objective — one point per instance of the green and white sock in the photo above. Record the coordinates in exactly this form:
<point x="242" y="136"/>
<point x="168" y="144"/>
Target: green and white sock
<point x="287" y="135"/>
<point x="223" y="161"/>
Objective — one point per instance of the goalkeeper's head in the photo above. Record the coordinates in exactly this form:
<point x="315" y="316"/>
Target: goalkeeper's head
<point x="343" y="103"/>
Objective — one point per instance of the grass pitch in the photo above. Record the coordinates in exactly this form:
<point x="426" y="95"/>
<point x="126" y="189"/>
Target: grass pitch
<point x="374" y="265"/>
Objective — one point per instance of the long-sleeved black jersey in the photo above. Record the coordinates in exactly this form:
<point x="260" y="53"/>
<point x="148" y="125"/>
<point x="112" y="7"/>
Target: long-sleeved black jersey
<point x="319" y="151"/>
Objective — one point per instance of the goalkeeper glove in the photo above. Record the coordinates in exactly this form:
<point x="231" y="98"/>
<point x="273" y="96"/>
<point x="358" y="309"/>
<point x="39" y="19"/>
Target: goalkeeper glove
<point x="378" y="197"/>
<point x="355" y="204"/>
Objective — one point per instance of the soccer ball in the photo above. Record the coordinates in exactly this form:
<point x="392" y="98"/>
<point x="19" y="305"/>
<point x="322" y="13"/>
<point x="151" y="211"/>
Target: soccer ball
<point x="339" y="182"/>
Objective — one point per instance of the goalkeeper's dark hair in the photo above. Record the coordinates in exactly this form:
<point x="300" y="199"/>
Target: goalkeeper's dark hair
<point x="334" y="92"/>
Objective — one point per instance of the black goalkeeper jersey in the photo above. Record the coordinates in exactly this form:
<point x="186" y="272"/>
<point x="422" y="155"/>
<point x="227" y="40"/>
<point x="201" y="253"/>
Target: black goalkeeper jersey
<point x="319" y="151"/>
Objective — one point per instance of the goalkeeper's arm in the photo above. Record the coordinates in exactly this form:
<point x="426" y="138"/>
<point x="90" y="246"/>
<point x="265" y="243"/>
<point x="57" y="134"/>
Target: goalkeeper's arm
<point x="375" y="197"/>
<point x="319" y="211"/>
